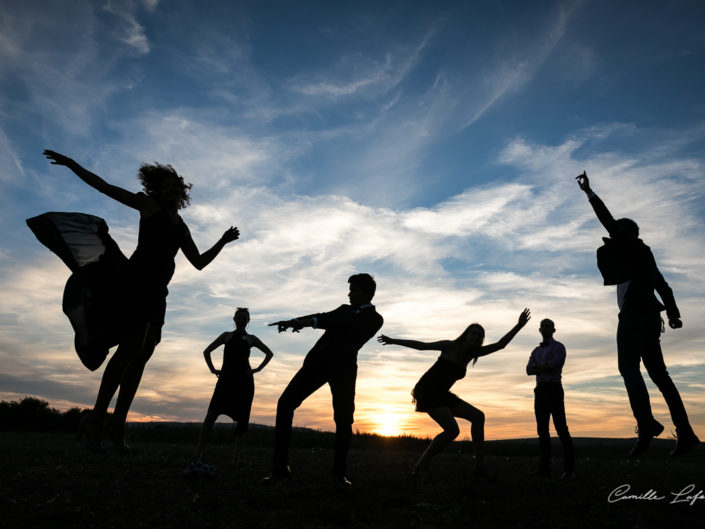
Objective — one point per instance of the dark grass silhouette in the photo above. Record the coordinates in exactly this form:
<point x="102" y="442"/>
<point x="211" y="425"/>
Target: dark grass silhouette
<point x="49" y="480"/>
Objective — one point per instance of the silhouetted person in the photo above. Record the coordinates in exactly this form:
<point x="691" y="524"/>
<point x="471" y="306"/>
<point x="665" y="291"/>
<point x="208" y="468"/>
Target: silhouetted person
<point x="627" y="262"/>
<point x="144" y="285"/>
<point x="546" y="362"/>
<point x="332" y="360"/>
<point x="432" y="392"/>
<point x="235" y="388"/>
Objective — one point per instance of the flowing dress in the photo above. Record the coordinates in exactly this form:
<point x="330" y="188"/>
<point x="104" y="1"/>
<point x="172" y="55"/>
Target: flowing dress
<point x="107" y="293"/>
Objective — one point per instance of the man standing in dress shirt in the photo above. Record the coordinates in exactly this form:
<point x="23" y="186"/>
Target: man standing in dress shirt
<point x="546" y="362"/>
<point x="633" y="269"/>
<point x="332" y="360"/>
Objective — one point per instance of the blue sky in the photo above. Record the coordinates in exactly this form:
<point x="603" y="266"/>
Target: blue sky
<point x="433" y="145"/>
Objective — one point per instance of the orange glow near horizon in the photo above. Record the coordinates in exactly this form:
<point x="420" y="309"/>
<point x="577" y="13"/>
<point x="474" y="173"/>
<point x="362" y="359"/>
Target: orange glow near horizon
<point x="388" y="425"/>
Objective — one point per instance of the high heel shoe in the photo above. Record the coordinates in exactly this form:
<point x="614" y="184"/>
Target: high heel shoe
<point x="90" y="428"/>
<point x="116" y="435"/>
<point x="420" y="475"/>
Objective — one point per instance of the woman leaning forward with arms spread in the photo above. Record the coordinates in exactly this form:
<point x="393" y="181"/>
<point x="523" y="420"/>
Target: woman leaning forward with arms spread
<point x="144" y="284"/>
<point x="432" y="392"/>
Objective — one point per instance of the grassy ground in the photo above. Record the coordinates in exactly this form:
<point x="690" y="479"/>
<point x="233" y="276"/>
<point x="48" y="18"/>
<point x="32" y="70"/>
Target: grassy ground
<point x="49" y="480"/>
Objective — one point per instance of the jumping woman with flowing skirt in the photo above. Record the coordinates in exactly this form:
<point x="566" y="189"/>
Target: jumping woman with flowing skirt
<point x="143" y="288"/>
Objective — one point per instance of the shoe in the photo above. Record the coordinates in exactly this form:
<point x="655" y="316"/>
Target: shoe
<point x="568" y="476"/>
<point x="276" y="476"/>
<point x="199" y="467"/>
<point x="342" y="480"/>
<point x="541" y="472"/>
<point x="116" y="434"/>
<point x="420" y="476"/>
<point x="685" y="444"/>
<point x="90" y="427"/>
<point x="645" y="437"/>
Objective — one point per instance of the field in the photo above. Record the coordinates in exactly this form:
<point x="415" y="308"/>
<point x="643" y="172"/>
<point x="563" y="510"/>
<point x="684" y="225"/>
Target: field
<point x="50" y="480"/>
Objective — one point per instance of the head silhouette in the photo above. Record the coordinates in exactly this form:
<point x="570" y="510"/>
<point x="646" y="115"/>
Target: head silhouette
<point x="241" y="318"/>
<point x="472" y="337"/>
<point x="163" y="184"/>
<point x="547" y="328"/>
<point x="362" y="289"/>
<point x="628" y="227"/>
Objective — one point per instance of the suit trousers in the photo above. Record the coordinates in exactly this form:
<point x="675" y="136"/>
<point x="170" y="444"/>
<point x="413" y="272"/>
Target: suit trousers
<point x="638" y="339"/>
<point x="313" y="374"/>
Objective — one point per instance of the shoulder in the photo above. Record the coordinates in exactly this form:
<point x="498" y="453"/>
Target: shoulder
<point x="147" y="205"/>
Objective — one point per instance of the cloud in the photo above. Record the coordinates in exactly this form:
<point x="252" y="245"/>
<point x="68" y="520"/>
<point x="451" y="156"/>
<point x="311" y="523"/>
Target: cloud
<point x="127" y="29"/>
<point x="360" y="75"/>
<point x="324" y="167"/>
<point x="518" y="64"/>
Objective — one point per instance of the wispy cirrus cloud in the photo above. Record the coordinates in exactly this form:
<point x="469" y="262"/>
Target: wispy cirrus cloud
<point x="128" y="29"/>
<point x="364" y="76"/>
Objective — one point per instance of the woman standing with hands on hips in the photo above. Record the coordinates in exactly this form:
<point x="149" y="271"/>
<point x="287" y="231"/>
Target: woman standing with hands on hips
<point x="162" y="233"/>
<point x="235" y="388"/>
<point x="432" y="392"/>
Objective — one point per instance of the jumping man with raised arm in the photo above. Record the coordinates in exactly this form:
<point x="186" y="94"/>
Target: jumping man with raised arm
<point x="629" y="264"/>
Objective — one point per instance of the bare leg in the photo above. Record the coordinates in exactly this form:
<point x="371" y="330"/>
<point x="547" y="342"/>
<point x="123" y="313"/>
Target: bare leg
<point x="127" y="351"/>
<point x="445" y="419"/>
<point x="477" y="430"/>
<point x="131" y="379"/>
<point x="239" y="445"/>
<point x="205" y="433"/>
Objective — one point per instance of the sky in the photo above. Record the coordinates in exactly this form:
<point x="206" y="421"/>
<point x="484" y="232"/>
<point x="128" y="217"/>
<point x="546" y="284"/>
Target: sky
<point x="431" y="144"/>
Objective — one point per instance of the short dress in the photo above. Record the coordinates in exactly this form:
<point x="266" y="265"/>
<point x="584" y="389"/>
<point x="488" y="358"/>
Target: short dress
<point x="235" y="388"/>
<point x="150" y="269"/>
<point x="433" y="388"/>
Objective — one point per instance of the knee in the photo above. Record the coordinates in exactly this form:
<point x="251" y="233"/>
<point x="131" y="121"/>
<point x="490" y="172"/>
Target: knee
<point x="629" y="371"/>
<point x="479" y="418"/>
<point x="146" y="353"/>
<point x="660" y="377"/>
<point x="286" y="404"/>
<point x="343" y="420"/>
<point x="451" y="432"/>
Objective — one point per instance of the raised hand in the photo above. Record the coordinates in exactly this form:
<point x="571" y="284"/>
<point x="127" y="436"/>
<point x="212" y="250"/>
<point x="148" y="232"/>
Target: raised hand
<point x="583" y="182"/>
<point x="231" y="234"/>
<point x="524" y="317"/>
<point x="56" y="158"/>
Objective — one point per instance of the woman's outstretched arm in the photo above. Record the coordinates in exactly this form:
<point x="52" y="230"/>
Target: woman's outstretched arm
<point x="201" y="260"/>
<point x="524" y="317"/>
<point x="414" y="344"/>
<point x="128" y="198"/>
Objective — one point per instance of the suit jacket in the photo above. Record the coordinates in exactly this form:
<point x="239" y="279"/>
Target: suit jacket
<point x="346" y="331"/>
<point x="644" y="273"/>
